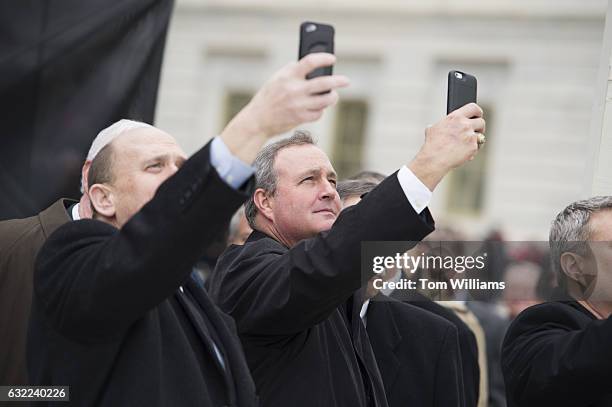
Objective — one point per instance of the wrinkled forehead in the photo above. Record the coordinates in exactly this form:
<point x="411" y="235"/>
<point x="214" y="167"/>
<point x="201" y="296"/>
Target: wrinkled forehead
<point x="295" y="160"/>
<point x="144" y="143"/>
<point x="600" y="225"/>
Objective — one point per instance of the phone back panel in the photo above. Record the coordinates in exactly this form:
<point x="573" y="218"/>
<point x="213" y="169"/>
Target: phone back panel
<point x="461" y="90"/>
<point x="316" y="37"/>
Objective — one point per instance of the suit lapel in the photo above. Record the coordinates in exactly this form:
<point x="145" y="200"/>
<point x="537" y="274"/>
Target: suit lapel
<point x="354" y="304"/>
<point x="385" y="338"/>
<point x="203" y="328"/>
<point x="224" y="341"/>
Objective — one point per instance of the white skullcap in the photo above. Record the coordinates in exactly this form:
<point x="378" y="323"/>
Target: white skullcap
<point x="106" y="136"/>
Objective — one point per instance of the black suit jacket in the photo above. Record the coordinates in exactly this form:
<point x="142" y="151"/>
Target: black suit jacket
<point x="294" y="308"/>
<point x="467" y="341"/>
<point x="417" y="354"/>
<point x="109" y="319"/>
<point x="558" y="354"/>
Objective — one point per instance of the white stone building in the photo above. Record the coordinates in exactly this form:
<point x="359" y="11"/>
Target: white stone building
<point x="536" y="62"/>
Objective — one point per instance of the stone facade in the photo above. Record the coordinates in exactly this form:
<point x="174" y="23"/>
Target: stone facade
<point x="536" y="64"/>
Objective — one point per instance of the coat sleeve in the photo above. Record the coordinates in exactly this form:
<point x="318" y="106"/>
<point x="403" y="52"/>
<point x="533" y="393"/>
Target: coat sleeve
<point x="270" y="290"/>
<point x="548" y="358"/>
<point x="92" y="279"/>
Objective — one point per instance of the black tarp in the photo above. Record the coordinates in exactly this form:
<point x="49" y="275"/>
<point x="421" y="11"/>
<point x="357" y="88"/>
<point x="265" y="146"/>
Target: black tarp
<point x="68" y="69"/>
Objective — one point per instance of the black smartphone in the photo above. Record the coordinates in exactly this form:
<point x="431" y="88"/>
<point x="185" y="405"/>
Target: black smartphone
<point x="316" y="37"/>
<point x="461" y="90"/>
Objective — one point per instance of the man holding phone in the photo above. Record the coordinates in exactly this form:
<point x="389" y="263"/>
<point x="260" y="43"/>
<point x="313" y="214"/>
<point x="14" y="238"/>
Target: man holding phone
<point x="291" y="287"/>
<point x="116" y="314"/>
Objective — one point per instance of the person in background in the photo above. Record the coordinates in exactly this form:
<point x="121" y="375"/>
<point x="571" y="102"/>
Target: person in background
<point x="521" y="287"/>
<point x="293" y="287"/>
<point x="239" y="229"/>
<point x="558" y="353"/>
<point x="417" y="352"/>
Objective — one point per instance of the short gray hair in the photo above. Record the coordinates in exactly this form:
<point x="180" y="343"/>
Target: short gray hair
<point x="570" y="230"/>
<point x="367" y="175"/>
<point x="265" y="176"/>
<point x="355" y="187"/>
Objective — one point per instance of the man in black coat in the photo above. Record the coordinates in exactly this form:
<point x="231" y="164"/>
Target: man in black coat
<point x="558" y="353"/>
<point x="468" y="347"/>
<point x="417" y="352"/>
<point x="291" y="288"/>
<point x="467" y="341"/>
<point x="117" y="314"/>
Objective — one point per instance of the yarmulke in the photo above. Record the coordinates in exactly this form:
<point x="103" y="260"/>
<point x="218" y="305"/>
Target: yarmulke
<point x="110" y="133"/>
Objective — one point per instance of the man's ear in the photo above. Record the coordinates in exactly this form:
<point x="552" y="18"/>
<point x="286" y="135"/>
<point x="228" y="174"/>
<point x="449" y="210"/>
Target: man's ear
<point x="102" y="200"/>
<point x="85" y="209"/>
<point x="263" y="203"/>
<point x="85" y="176"/>
<point x="575" y="267"/>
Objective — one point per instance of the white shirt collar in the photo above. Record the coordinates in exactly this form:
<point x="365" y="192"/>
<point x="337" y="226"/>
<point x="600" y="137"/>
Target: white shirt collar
<point x="364" y="310"/>
<point x="75" y="212"/>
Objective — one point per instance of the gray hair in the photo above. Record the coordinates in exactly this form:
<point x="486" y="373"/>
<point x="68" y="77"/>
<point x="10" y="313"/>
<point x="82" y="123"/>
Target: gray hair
<point x="265" y="176"/>
<point x="367" y="175"/>
<point x="570" y="230"/>
<point x="355" y="187"/>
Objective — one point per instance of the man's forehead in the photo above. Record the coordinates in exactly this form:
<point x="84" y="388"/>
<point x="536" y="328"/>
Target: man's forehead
<point x="302" y="158"/>
<point x="600" y="224"/>
<point x="146" y="141"/>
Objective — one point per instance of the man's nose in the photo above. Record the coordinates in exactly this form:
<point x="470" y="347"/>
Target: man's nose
<point x="171" y="170"/>
<point x="174" y="168"/>
<point x="328" y="189"/>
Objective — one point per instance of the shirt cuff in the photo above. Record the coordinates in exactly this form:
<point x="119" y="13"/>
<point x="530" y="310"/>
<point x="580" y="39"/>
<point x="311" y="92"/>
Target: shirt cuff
<point x="417" y="193"/>
<point x="230" y="168"/>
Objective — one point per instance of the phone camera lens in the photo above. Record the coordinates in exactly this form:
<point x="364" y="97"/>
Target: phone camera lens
<point x="310" y="28"/>
<point x="458" y="75"/>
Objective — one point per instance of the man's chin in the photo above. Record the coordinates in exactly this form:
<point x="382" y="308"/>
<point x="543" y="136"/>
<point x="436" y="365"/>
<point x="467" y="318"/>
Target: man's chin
<point x="325" y="224"/>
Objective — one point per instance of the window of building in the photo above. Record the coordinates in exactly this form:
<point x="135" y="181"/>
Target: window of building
<point x="467" y="183"/>
<point x="349" y="136"/>
<point x="234" y="102"/>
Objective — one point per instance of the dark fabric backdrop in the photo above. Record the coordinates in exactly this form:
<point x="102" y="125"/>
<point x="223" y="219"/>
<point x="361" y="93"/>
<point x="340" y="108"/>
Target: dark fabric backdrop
<point x="68" y="69"/>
